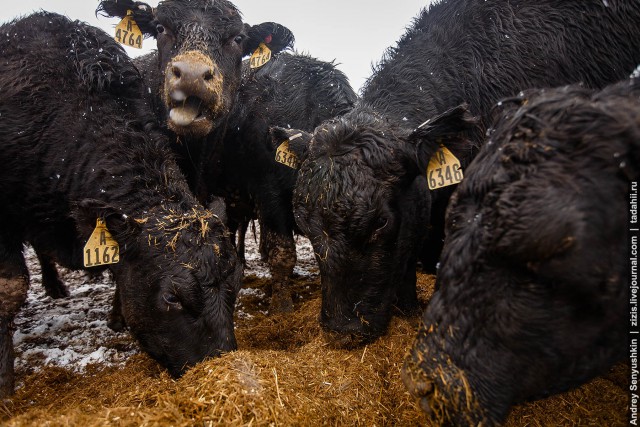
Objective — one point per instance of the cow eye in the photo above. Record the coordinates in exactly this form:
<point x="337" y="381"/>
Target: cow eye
<point x="171" y="299"/>
<point x="238" y="39"/>
<point x="160" y="28"/>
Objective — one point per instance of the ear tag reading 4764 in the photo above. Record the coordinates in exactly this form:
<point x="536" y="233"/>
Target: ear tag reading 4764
<point x="101" y="248"/>
<point x="260" y="56"/>
<point x="444" y="169"/>
<point x="285" y="156"/>
<point x="128" y="33"/>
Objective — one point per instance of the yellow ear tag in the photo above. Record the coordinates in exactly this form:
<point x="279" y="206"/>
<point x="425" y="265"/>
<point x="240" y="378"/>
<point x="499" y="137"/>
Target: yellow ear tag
<point x="260" y="56"/>
<point x="286" y="156"/>
<point x="101" y="248"/>
<point x="444" y="169"/>
<point x="128" y="33"/>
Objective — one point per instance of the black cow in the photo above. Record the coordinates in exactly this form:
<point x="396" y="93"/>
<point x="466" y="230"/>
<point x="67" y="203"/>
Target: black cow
<point x="361" y="194"/>
<point x="79" y="145"/>
<point x="195" y="74"/>
<point x="292" y="91"/>
<point x="534" y="279"/>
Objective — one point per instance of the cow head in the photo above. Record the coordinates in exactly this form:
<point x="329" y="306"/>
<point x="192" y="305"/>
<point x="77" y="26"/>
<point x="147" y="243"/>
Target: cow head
<point x="533" y="287"/>
<point x="362" y="199"/>
<point x="178" y="278"/>
<point x="201" y="44"/>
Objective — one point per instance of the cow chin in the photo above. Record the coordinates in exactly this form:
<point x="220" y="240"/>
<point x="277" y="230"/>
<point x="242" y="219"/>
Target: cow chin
<point x="178" y="359"/>
<point x="349" y="333"/>
<point x="198" y="128"/>
<point x="177" y="370"/>
<point x="346" y="341"/>
<point x="194" y="118"/>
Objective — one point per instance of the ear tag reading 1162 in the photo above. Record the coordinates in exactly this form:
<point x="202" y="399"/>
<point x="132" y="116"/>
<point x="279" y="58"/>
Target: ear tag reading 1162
<point x="285" y="156"/>
<point x="128" y="33"/>
<point x="260" y="56"/>
<point x="444" y="169"/>
<point x="101" y="248"/>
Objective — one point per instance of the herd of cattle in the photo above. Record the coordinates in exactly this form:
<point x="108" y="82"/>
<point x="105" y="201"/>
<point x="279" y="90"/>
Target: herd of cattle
<point x="496" y="141"/>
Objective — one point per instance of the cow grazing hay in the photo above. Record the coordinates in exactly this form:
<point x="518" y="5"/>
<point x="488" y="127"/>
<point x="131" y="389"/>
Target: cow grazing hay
<point x="284" y="374"/>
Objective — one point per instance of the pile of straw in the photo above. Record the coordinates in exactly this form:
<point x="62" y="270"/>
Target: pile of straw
<point x="284" y="374"/>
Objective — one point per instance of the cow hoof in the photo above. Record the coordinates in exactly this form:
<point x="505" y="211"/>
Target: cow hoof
<point x="116" y="323"/>
<point x="57" y="292"/>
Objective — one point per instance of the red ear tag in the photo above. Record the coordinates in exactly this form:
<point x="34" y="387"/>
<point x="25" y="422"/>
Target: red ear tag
<point x="267" y="39"/>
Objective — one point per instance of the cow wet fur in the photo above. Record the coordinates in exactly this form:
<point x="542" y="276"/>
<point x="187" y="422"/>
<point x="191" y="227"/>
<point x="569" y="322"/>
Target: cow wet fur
<point x="533" y="289"/>
<point x="98" y="153"/>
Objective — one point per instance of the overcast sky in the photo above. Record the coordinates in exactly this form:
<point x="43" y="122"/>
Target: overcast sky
<point x="353" y="32"/>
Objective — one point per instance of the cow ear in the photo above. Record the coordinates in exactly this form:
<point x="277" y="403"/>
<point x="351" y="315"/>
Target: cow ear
<point x="87" y="211"/>
<point x="218" y="207"/>
<point x="143" y="14"/>
<point x="275" y="36"/>
<point x="297" y="141"/>
<point x="456" y="129"/>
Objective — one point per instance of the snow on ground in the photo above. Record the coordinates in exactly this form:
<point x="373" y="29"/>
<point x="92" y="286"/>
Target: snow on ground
<point x="72" y="332"/>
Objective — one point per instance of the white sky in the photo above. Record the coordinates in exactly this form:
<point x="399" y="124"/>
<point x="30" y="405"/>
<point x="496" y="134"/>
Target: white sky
<point x="353" y="32"/>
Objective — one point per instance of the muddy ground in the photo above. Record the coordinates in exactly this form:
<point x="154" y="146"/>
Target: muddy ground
<point x="72" y="370"/>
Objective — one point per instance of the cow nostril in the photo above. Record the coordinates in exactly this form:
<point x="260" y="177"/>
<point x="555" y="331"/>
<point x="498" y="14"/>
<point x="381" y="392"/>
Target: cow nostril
<point x="208" y="75"/>
<point x="176" y="72"/>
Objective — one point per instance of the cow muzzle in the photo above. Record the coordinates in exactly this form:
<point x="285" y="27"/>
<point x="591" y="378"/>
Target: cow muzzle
<point x="345" y="333"/>
<point x="193" y="93"/>
<point x="418" y="385"/>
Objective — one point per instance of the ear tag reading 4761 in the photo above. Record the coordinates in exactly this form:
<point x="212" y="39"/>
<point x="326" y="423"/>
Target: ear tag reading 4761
<point x="260" y="56"/>
<point x="444" y="169"/>
<point x="285" y="156"/>
<point x="101" y="248"/>
<point x="128" y="33"/>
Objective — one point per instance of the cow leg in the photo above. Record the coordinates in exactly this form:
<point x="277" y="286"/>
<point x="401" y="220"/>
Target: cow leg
<point x="116" y="320"/>
<point x="51" y="282"/>
<point x="238" y="230"/>
<point x="240" y="246"/>
<point x="406" y="294"/>
<point x="262" y="246"/>
<point x="281" y="253"/>
<point x="14" y="284"/>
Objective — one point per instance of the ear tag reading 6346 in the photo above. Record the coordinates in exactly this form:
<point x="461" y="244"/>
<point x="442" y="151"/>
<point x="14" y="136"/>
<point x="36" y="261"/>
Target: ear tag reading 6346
<point x="285" y="156"/>
<point x="444" y="169"/>
<point x="101" y="248"/>
<point x="260" y="56"/>
<point x="128" y="33"/>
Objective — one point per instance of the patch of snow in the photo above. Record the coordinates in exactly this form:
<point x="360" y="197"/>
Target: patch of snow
<point x="70" y="332"/>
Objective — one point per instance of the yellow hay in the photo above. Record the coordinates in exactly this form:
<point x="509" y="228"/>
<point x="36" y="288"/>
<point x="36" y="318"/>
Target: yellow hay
<point x="284" y="374"/>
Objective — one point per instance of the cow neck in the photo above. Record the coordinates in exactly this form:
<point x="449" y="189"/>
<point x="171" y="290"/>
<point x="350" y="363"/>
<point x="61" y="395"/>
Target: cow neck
<point x="200" y="159"/>
<point x="141" y="175"/>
